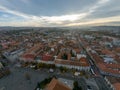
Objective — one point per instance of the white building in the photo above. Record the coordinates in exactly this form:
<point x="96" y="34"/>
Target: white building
<point x="80" y="55"/>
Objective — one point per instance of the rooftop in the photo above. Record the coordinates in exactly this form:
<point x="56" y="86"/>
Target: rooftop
<point x="57" y="85"/>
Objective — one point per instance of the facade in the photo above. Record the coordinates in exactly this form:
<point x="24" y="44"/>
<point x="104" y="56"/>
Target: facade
<point x="79" y="65"/>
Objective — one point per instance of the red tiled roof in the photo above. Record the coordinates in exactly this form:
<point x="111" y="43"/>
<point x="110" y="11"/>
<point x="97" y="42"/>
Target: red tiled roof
<point x="117" y="86"/>
<point x="46" y="57"/>
<point x="96" y="57"/>
<point x="118" y="49"/>
<point x="106" y="51"/>
<point x="77" y="50"/>
<point x="56" y="85"/>
<point x="84" y="60"/>
<point x="116" y="66"/>
<point x="27" y="56"/>
<point x="106" y="69"/>
<point x="75" y="63"/>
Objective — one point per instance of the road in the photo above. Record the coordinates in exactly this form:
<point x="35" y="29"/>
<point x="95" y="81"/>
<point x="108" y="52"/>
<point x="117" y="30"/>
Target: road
<point x="101" y="83"/>
<point x="90" y="59"/>
<point x="99" y="79"/>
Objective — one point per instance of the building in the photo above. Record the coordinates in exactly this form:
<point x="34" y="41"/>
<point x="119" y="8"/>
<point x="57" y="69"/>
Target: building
<point x="109" y="69"/>
<point x="81" y="64"/>
<point x="56" y="85"/>
<point x="116" y="86"/>
<point x="27" y="57"/>
<point x="13" y="55"/>
<point x="47" y="57"/>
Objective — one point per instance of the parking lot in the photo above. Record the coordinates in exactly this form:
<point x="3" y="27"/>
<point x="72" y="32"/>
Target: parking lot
<point x="17" y="79"/>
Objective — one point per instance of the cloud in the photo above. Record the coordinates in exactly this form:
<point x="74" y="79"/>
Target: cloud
<point x="97" y="5"/>
<point x="97" y="21"/>
<point x="4" y="9"/>
<point x="74" y="17"/>
<point x="26" y="1"/>
<point x="67" y="20"/>
<point x="62" y="17"/>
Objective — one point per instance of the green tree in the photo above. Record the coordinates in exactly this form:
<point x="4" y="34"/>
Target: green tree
<point x="65" y="57"/>
<point x="76" y="86"/>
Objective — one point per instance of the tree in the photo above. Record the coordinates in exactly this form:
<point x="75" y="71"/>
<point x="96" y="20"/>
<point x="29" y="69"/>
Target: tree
<point x="76" y="86"/>
<point x="42" y="84"/>
<point x="65" y="57"/>
<point x="63" y="69"/>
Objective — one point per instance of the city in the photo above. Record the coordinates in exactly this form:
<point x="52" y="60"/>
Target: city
<point x="59" y="44"/>
<point x="89" y="58"/>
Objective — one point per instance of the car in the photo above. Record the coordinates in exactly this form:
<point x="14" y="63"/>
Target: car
<point x="51" y="70"/>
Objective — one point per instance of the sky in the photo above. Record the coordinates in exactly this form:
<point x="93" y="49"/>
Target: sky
<point x="52" y="13"/>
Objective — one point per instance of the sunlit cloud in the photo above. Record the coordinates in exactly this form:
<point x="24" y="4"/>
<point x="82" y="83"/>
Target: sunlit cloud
<point x="72" y="17"/>
<point x="97" y="21"/>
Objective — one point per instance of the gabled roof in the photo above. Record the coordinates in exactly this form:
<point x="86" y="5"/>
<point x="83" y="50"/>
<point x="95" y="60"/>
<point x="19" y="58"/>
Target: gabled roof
<point x="56" y="85"/>
<point x="117" y="86"/>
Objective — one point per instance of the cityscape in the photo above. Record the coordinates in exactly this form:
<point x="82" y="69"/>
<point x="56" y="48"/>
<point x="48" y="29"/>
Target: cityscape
<point x="59" y="45"/>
